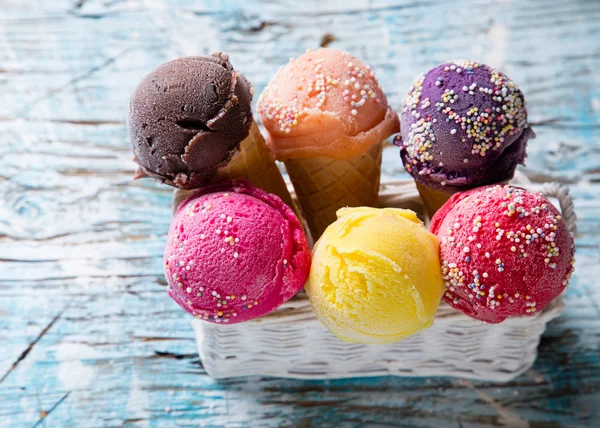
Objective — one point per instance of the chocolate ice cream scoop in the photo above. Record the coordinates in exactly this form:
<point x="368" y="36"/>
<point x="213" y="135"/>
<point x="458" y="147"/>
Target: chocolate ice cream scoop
<point x="187" y="118"/>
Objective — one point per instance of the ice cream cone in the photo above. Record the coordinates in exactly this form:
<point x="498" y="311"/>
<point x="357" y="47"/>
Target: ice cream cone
<point x="454" y="141"/>
<point x="254" y="162"/>
<point x="324" y="185"/>
<point x="326" y="116"/>
<point x="432" y="199"/>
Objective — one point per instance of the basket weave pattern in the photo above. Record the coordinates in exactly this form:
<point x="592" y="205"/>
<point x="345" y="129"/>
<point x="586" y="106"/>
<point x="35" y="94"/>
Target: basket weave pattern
<point x="292" y="343"/>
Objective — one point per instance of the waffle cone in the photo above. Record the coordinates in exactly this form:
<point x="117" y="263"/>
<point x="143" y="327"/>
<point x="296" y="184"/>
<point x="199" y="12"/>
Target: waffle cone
<point x="324" y="185"/>
<point x="254" y="162"/>
<point x="432" y="199"/>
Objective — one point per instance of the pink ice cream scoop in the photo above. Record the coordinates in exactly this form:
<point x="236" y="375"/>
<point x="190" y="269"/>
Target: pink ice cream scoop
<point x="505" y="251"/>
<point x="234" y="252"/>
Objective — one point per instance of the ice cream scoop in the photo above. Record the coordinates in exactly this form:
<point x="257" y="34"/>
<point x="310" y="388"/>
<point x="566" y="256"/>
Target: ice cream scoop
<point x="234" y="252"/>
<point x="505" y="251"/>
<point x="188" y="117"/>
<point x="326" y="117"/>
<point x="375" y="276"/>
<point x="464" y="125"/>
<point x="325" y="103"/>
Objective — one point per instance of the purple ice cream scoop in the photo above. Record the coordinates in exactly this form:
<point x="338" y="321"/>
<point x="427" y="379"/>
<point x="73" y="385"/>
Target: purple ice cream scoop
<point x="464" y="125"/>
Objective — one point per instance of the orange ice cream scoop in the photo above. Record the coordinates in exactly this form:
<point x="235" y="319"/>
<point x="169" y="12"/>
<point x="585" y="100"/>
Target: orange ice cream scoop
<point x="325" y="103"/>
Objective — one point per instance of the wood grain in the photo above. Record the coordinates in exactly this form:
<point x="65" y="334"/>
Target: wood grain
<point x="87" y="334"/>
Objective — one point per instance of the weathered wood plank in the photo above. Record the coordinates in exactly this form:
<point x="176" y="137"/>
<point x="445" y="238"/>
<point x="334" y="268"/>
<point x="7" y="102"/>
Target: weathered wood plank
<point x="87" y="333"/>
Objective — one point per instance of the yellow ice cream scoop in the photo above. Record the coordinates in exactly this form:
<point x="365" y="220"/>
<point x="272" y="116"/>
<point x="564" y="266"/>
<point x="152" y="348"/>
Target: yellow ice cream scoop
<point x="375" y="275"/>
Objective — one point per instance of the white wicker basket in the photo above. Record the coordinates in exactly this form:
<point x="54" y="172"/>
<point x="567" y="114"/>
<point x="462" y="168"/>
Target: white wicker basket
<point x="292" y="343"/>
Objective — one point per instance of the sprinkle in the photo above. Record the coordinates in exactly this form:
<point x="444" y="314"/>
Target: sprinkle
<point x="235" y="255"/>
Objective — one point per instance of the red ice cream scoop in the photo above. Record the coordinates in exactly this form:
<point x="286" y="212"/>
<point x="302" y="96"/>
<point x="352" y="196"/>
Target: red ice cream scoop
<point x="505" y="251"/>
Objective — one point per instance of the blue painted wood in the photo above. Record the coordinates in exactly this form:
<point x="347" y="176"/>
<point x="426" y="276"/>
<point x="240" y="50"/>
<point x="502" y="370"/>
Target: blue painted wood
<point x="87" y="333"/>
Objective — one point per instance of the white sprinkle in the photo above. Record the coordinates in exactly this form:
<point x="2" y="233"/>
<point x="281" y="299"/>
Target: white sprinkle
<point x="236" y="255"/>
<point x="354" y="112"/>
<point x="218" y="231"/>
<point x="202" y="236"/>
<point x="453" y="131"/>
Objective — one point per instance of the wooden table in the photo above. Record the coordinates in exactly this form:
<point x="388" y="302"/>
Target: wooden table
<point x="88" y="336"/>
